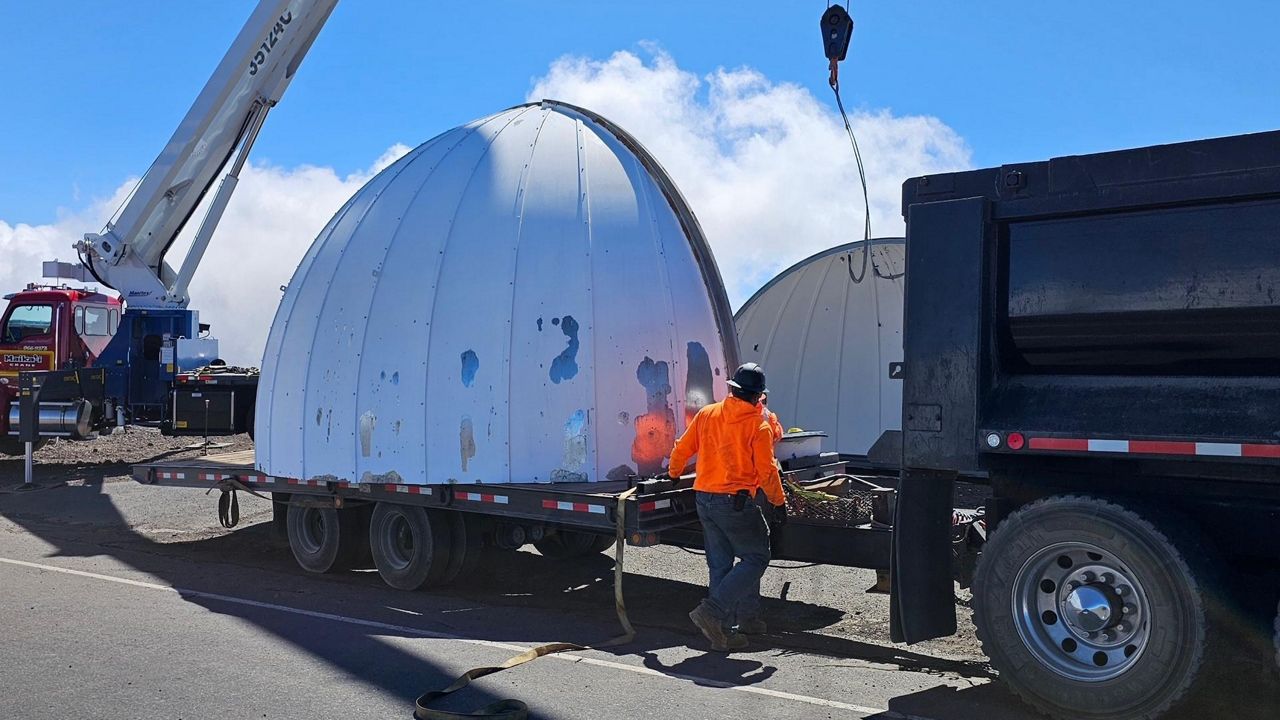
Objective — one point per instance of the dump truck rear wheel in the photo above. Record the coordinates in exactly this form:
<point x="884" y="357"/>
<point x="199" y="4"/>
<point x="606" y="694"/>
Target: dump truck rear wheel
<point x="411" y="546"/>
<point x="324" y="539"/>
<point x="1089" y="611"/>
<point x="572" y="544"/>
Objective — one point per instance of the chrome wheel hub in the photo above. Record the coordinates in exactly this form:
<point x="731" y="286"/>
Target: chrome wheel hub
<point x="1081" y="611"/>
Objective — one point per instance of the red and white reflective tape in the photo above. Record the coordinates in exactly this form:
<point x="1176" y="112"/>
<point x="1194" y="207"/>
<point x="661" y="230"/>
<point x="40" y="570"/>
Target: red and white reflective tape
<point x="408" y="489"/>
<point x="654" y="505"/>
<point x="573" y="507"/>
<point x="167" y="475"/>
<point x="482" y="497"/>
<point x="307" y="483"/>
<point x="215" y="477"/>
<point x="1154" y="447"/>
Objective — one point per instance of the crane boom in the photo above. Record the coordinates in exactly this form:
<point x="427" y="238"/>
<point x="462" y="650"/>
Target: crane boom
<point x="217" y="132"/>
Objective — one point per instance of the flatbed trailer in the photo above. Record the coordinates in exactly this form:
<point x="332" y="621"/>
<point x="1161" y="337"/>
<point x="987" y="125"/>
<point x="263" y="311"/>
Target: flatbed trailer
<point x="511" y="515"/>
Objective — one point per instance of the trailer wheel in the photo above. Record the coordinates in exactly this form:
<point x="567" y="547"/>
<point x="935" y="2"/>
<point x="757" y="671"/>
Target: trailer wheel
<point x="564" y="544"/>
<point x="1088" y="610"/>
<point x="410" y="545"/>
<point x="467" y="549"/>
<point x="324" y="539"/>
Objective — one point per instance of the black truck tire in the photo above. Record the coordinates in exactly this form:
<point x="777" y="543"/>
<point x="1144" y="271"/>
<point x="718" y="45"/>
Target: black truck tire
<point x="1065" y="597"/>
<point x="249" y="417"/>
<point x="565" y="544"/>
<point x="325" y="539"/>
<point x="1276" y="638"/>
<point x="411" y="546"/>
<point x="15" y="447"/>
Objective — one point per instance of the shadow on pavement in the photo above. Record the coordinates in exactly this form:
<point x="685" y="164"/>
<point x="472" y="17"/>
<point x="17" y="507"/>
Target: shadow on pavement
<point x="357" y="652"/>
<point x="579" y="592"/>
<point x="1246" y="697"/>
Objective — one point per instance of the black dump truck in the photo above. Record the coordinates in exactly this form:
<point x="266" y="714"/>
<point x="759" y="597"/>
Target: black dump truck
<point x="1098" y="335"/>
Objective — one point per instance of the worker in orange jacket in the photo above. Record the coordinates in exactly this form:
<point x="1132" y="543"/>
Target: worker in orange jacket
<point x="734" y="445"/>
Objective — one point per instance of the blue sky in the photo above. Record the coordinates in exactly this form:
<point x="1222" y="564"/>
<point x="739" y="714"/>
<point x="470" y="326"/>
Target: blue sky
<point x="93" y="89"/>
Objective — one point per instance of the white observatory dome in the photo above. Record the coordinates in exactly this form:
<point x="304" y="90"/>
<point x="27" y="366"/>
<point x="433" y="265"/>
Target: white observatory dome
<point x="525" y="298"/>
<point x="826" y="331"/>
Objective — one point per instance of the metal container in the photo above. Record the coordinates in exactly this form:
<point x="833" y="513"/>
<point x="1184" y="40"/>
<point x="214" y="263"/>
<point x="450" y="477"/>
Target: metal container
<point x="57" y="419"/>
<point x="828" y="331"/>
<point x="799" y="445"/>
<point x="525" y="298"/>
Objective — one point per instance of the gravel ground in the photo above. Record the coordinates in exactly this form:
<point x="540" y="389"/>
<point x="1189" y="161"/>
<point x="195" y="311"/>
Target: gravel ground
<point x="109" y="456"/>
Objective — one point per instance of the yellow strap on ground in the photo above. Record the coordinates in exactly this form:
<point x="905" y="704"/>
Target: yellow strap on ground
<point x="515" y="709"/>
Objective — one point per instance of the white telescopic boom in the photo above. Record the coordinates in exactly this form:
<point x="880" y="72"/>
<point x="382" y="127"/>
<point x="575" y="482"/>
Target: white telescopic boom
<point x="221" y="125"/>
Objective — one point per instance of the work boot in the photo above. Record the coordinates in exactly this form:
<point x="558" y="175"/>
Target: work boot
<point x="709" y="624"/>
<point x="753" y="626"/>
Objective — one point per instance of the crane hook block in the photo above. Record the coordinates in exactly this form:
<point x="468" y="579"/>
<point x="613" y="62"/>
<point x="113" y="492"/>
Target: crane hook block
<point x="837" y="31"/>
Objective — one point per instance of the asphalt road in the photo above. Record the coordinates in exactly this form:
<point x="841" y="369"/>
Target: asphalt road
<point x="124" y="601"/>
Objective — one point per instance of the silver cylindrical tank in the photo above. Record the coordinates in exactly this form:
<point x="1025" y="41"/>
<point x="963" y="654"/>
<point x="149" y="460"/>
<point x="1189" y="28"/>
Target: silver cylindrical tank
<point x="71" y="419"/>
<point x="827" y="331"/>
<point x="526" y="298"/>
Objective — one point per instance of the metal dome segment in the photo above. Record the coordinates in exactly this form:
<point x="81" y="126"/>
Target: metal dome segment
<point x="522" y="299"/>
<point x="826" y="330"/>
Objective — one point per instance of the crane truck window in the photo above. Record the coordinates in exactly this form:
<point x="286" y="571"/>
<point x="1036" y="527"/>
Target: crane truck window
<point x="28" y="320"/>
<point x="93" y="321"/>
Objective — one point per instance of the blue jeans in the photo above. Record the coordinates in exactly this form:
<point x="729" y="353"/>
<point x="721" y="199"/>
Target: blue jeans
<point x="734" y="589"/>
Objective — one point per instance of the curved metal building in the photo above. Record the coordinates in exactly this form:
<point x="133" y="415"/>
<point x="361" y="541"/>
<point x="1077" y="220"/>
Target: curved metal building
<point x="525" y="298"/>
<point x="826" y="330"/>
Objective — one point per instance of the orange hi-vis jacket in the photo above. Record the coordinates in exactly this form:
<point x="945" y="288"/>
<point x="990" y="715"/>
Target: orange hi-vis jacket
<point x="774" y="425"/>
<point x="734" y="445"/>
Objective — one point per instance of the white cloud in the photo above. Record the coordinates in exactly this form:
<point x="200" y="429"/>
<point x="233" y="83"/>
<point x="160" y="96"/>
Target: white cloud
<point x="766" y="167"/>
<point x="271" y="221"/>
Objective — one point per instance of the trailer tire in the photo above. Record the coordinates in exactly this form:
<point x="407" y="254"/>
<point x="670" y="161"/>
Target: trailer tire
<point x="566" y="544"/>
<point x="467" y="549"/>
<point x="324" y="539"/>
<point x="1056" y="590"/>
<point x="411" y="545"/>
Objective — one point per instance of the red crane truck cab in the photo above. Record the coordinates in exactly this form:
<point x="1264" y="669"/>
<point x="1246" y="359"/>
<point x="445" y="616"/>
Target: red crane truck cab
<point x="50" y="328"/>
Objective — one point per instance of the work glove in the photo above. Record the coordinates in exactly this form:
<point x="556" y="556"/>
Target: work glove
<point x="780" y="515"/>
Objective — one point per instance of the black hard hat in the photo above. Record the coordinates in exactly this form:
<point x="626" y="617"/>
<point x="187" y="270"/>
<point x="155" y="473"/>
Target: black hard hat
<point x="749" y="378"/>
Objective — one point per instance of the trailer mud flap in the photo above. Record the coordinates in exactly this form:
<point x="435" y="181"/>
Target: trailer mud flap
<point x="922" y="601"/>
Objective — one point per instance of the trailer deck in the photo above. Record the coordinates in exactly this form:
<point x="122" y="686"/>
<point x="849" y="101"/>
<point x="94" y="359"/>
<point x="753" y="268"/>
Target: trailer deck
<point x="591" y="506"/>
<point x="663" y="517"/>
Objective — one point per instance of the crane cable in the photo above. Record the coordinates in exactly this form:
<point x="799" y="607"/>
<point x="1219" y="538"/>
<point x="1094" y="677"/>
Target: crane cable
<point x="862" y="177"/>
<point x="837" y="29"/>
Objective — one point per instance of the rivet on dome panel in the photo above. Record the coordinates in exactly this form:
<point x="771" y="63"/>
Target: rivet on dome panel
<point x="525" y="298"/>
